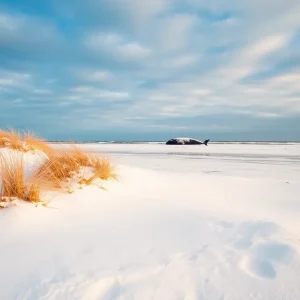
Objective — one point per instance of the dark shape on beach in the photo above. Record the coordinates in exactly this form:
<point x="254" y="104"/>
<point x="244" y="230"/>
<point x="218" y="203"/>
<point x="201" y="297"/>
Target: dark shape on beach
<point x="186" y="141"/>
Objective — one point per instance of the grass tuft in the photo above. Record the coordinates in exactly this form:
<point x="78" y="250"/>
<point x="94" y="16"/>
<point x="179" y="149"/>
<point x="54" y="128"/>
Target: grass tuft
<point x="12" y="176"/>
<point x="58" y="169"/>
<point x="34" y="193"/>
<point x="68" y="166"/>
<point x="82" y="158"/>
<point x="34" y="143"/>
<point x="14" y="185"/>
<point x="23" y="142"/>
<point x="104" y="169"/>
<point x="15" y="141"/>
<point x="4" y="138"/>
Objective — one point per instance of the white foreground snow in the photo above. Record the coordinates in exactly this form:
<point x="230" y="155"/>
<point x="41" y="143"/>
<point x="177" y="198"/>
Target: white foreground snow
<point x="184" y="222"/>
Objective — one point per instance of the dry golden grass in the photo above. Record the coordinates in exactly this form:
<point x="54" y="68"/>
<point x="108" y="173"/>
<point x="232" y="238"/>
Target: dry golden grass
<point x="4" y="137"/>
<point x="58" y="168"/>
<point x="14" y="186"/>
<point x="3" y="134"/>
<point x="34" y="143"/>
<point x="104" y="169"/>
<point x="81" y="157"/>
<point x="64" y="165"/>
<point x="24" y="142"/>
<point x="13" y="183"/>
<point x="15" y="140"/>
<point x="34" y="193"/>
<point x="12" y="176"/>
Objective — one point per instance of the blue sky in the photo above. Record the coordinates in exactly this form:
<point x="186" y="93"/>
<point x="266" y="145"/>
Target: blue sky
<point x="151" y="70"/>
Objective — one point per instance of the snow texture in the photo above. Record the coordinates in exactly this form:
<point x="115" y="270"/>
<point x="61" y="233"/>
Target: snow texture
<point x="220" y="222"/>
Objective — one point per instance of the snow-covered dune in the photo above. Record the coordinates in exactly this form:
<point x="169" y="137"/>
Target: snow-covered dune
<point x="216" y="222"/>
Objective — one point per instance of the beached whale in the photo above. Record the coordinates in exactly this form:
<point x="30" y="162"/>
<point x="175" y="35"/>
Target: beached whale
<point x="186" y="141"/>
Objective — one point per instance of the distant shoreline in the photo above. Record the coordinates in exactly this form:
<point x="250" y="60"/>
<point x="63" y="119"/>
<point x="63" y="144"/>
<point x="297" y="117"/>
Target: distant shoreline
<point x="163" y="142"/>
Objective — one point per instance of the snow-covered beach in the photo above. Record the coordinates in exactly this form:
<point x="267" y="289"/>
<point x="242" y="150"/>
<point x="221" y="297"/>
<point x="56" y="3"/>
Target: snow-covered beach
<point x="183" y="222"/>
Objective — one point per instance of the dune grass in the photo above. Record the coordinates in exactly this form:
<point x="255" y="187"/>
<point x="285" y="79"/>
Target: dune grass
<point x="4" y="137"/>
<point x="23" y="141"/>
<point x="13" y="185"/>
<point x="104" y="169"/>
<point x="35" y="143"/>
<point x="65" y="165"/>
<point x="15" y="141"/>
<point x="102" y="166"/>
<point x="34" y="193"/>
<point x="58" y="169"/>
<point x="12" y="176"/>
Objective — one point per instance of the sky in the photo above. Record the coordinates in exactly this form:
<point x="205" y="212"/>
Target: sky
<point x="151" y="69"/>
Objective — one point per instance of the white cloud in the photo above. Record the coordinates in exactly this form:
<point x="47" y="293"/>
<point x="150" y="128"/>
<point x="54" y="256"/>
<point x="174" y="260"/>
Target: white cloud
<point x="180" y="61"/>
<point x="140" y="12"/>
<point x="14" y="79"/>
<point x="289" y="82"/>
<point x="96" y="93"/>
<point x="99" y="76"/>
<point x="174" y="31"/>
<point x="115" y="44"/>
<point x="100" y="40"/>
<point x="93" y="75"/>
<point x="8" y="82"/>
<point x="257" y="114"/>
<point x="136" y="118"/>
<point x="162" y="96"/>
<point x="42" y="91"/>
<point x="249" y="59"/>
<point x="169" y="127"/>
<point x="200" y="92"/>
<point x="265" y="46"/>
<point x="209" y="95"/>
<point x="82" y="89"/>
<point x="132" y="51"/>
<point x="267" y="115"/>
<point x="7" y="23"/>
<point x="24" y="31"/>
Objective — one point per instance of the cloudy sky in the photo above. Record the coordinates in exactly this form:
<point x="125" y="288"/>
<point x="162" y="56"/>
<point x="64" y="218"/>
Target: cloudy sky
<point x="151" y="69"/>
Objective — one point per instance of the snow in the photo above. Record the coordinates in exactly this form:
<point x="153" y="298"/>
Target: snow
<point x="216" y="222"/>
<point x="183" y="140"/>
